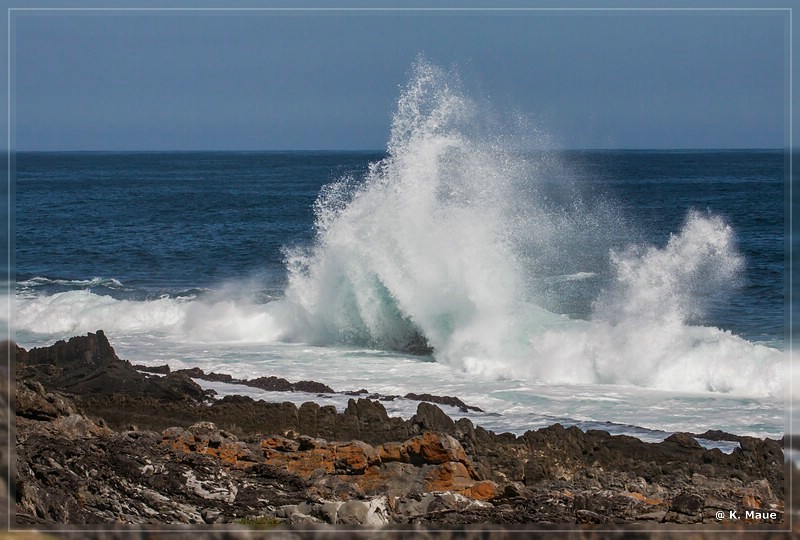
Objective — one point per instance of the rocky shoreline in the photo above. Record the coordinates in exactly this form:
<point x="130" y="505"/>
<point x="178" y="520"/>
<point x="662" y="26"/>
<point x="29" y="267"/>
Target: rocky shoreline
<point x="99" y="441"/>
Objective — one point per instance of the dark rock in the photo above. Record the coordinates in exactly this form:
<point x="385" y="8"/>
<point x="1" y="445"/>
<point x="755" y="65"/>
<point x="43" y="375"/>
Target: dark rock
<point x="197" y="373"/>
<point x="311" y="387"/>
<point x="35" y="403"/>
<point x="233" y="398"/>
<point x="272" y="384"/>
<point x="431" y="418"/>
<point x="347" y="427"/>
<point x="536" y="472"/>
<point x="443" y="400"/>
<point x="717" y="435"/>
<point x="194" y="373"/>
<point x="277" y="384"/>
<point x="153" y="369"/>
<point x="88" y="366"/>
<point x="91" y="351"/>
<point x="326" y="422"/>
<point x="278" y="418"/>
<point x="417" y="345"/>
<point x="687" y="503"/>
<point x="372" y="419"/>
<point x="683" y="439"/>
<point x="220" y="377"/>
<point x="587" y="516"/>
<point x="176" y="387"/>
<point x="307" y="419"/>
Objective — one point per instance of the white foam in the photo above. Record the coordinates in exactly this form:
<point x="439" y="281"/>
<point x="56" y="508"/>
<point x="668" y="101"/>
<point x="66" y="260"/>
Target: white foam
<point x="39" y="280"/>
<point x="431" y="243"/>
<point x="81" y="311"/>
<point x="211" y="320"/>
<point x="577" y="276"/>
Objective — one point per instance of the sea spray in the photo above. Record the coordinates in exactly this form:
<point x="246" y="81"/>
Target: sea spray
<point x="641" y="331"/>
<point x="441" y="244"/>
<point x="644" y="332"/>
<point x="419" y="251"/>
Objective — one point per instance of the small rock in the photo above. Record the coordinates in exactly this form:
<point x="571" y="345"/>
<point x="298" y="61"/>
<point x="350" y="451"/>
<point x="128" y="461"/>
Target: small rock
<point x="687" y="503"/>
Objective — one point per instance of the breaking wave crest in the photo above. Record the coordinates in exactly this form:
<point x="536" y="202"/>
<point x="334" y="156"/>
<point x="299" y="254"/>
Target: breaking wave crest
<point x="438" y="246"/>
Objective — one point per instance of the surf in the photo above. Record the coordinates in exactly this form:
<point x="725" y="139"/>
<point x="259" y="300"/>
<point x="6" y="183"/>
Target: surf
<point x="439" y="247"/>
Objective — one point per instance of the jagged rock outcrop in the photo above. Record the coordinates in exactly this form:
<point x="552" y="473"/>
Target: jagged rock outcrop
<point x="150" y="449"/>
<point x="88" y="366"/>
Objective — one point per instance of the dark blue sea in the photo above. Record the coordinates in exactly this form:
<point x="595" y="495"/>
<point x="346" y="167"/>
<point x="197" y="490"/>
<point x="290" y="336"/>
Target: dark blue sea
<point x="143" y="225"/>
<point x="642" y="292"/>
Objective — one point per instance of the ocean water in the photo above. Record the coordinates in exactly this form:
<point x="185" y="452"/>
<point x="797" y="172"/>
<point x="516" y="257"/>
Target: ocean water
<point x="641" y="292"/>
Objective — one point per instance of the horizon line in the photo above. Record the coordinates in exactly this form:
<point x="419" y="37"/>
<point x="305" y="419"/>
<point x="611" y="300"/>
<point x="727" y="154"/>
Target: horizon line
<point x="384" y="150"/>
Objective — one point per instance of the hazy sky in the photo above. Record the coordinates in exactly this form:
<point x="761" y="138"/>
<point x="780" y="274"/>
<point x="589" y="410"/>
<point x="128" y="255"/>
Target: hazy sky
<point x="267" y="80"/>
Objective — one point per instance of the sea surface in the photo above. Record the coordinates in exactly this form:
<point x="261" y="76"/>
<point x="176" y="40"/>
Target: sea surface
<point x="640" y="292"/>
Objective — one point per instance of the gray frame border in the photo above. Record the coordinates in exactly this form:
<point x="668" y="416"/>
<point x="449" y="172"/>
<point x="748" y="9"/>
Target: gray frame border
<point x="10" y="249"/>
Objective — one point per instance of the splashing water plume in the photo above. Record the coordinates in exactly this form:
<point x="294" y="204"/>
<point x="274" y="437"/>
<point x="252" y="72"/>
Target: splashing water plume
<point x="435" y="249"/>
<point x="417" y="256"/>
<point x="455" y="246"/>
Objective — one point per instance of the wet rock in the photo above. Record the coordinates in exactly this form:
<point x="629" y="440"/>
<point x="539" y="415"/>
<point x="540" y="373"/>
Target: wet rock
<point x="277" y="384"/>
<point x="683" y="439"/>
<point x="443" y="400"/>
<point x="417" y="345"/>
<point x="163" y="370"/>
<point x="197" y="373"/>
<point x="272" y="384"/>
<point x="717" y="435"/>
<point x="312" y="387"/>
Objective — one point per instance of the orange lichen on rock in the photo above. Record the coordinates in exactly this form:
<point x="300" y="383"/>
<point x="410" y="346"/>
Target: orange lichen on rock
<point x="203" y="438"/>
<point x="429" y="462"/>
<point x="354" y="457"/>
<point x="434" y="448"/>
<point x="481" y="491"/>
<point x="309" y="455"/>
<point x="392" y="451"/>
<point x="749" y="501"/>
<point x="635" y="495"/>
<point x="302" y="463"/>
<point x="452" y="476"/>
